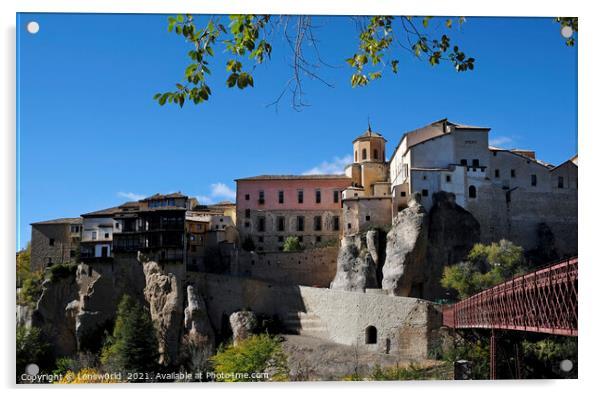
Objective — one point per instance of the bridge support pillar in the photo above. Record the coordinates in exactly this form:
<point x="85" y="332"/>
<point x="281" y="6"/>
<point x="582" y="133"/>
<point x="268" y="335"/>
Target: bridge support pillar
<point x="492" y="358"/>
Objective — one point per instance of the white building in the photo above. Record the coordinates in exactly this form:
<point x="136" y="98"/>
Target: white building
<point x="97" y="234"/>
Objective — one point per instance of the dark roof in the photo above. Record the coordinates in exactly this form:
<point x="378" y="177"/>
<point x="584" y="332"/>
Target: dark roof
<point x="222" y="203"/>
<point x="107" y="212"/>
<point x="166" y="208"/>
<point x="369" y="134"/>
<point x="159" y="196"/>
<point x="60" y="221"/>
<point x="293" y="177"/>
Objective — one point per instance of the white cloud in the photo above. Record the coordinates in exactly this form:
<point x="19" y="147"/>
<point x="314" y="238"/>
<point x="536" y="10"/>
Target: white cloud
<point x="221" y="190"/>
<point x="501" y="140"/>
<point x="336" y="166"/>
<point x="131" y="196"/>
<point x="204" y="199"/>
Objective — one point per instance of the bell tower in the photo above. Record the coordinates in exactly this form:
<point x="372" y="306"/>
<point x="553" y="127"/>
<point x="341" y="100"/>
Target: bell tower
<point x="370" y="146"/>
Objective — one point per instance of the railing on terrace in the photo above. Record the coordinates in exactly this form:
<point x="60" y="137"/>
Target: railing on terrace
<point x="544" y="301"/>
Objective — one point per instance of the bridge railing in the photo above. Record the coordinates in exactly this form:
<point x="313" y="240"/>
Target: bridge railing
<point x="544" y="300"/>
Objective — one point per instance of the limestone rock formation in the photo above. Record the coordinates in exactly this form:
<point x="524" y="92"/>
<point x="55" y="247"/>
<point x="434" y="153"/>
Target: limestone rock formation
<point x="196" y="318"/>
<point x="407" y="241"/>
<point x="243" y="323"/>
<point x="54" y="314"/>
<point x="166" y="303"/>
<point x="452" y="233"/>
<point x="357" y="263"/>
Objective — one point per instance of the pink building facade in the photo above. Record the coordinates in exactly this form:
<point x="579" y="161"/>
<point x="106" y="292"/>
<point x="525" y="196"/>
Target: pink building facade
<point x="270" y="208"/>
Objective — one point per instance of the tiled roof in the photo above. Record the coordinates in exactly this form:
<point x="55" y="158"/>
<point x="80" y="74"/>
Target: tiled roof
<point x="60" y="221"/>
<point x="159" y="196"/>
<point x="100" y="213"/>
<point x="293" y="177"/>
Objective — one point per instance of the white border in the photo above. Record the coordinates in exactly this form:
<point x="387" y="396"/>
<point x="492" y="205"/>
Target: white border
<point x="589" y="127"/>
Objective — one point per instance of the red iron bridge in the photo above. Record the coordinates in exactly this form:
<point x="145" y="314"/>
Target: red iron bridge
<point x="542" y="301"/>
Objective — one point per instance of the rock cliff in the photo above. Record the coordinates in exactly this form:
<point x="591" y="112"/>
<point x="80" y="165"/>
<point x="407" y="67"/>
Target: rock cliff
<point x="357" y="263"/>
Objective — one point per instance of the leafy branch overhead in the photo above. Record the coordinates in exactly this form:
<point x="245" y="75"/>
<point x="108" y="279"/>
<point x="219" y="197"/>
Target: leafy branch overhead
<point x="245" y="39"/>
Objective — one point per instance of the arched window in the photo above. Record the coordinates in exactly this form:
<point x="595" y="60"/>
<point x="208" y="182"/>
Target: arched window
<point x="472" y="192"/>
<point x="364" y="154"/>
<point x="375" y="154"/>
<point x="356" y="155"/>
<point x="371" y="335"/>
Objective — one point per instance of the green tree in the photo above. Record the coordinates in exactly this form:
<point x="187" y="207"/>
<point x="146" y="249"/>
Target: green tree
<point x="485" y="266"/>
<point x="291" y="244"/>
<point x="258" y="354"/>
<point x="133" y="346"/>
<point x="31" y="349"/>
<point x="23" y="261"/>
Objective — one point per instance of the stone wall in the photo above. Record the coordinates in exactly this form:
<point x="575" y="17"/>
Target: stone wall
<point x="361" y="214"/>
<point x="41" y="250"/>
<point x="311" y="267"/>
<point x="404" y="326"/>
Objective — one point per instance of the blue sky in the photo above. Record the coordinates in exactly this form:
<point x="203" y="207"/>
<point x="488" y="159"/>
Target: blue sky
<point x="90" y="135"/>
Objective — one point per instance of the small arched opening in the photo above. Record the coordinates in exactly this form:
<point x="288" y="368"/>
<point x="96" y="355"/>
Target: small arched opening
<point x="356" y="156"/>
<point x="364" y="154"/>
<point x="371" y="335"/>
<point x="375" y="154"/>
<point x="472" y="191"/>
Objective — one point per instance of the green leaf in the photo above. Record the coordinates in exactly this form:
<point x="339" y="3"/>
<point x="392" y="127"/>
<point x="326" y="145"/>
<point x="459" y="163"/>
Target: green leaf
<point x="448" y="23"/>
<point x="425" y="21"/>
<point x="180" y="18"/>
<point x="232" y="79"/>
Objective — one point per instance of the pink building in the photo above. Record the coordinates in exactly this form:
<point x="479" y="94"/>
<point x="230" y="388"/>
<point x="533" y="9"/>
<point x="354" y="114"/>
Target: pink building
<point x="269" y="208"/>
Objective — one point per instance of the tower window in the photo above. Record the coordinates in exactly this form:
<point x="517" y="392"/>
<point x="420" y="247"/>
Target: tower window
<point x="375" y="154"/>
<point x="533" y="180"/>
<point x="367" y="218"/>
<point x="561" y="182"/>
<point x="364" y="154"/>
<point x="472" y="192"/>
<point x="403" y="194"/>
<point x="356" y="155"/>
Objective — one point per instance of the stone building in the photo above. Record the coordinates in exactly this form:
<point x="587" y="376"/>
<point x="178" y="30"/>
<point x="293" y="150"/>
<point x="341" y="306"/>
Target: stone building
<point x="55" y="241"/>
<point x="97" y="235"/>
<point x="367" y="201"/>
<point x="270" y="208"/>
<point x="510" y="192"/>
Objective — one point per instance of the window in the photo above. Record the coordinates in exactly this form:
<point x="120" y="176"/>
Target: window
<point x="533" y="180"/>
<point x="335" y="196"/>
<point x="51" y="242"/>
<point x="367" y="218"/>
<point x="375" y="154"/>
<point x="93" y="235"/>
<point x="117" y="225"/>
<point x="300" y="223"/>
<point x="317" y="223"/>
<point x="356" y="156"/>
<point x="318" y="239"/>
<point x="247" y="213"/>
<point x="335" y="223"/>
<point x="106" y="235"/>
<point x="260" y="239"/>
<point x="475" y="162"/>
<point x="364" y="154"/>
<point x="349" y="226"/>
<point x="247" y="197"/>
<point x="463" y="162"/>
<point x="280" y="239"/>
<point x="497" y="172"/>
<point x="561" y="182"/>
<point x="281" y="197"/>
<point x="425" y="192"/>
<point x="72" y="253"/>
<point x="447" y="178"/>
<point x="513" y="173"/>
<point x="261" y="226"/>
<point x="472" y="192"/>
<point x="247" y="224"/>
<point x="300" y="196"/>
<point x="280" y="223"/>
<point x="402" y="194"/>
<point x="371" y="335"/>
<point x="318" y="196"/>
<point x="261" y="197"/>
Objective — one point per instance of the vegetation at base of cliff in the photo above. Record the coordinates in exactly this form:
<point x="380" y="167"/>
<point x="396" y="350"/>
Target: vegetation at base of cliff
<point x="251" y="358"/>
<point x="29" y="283"/>
<point x="31" y="349"/>
<point x="441" y="371"/>
<point x="61" y="270"/>
<point x="133" y="346"/>
<point x="292" y="244"/>
<point x="485" y="266"/>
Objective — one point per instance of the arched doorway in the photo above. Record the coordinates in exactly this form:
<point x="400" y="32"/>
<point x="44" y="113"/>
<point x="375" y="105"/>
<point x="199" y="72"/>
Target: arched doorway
<point x="371" y="335"/>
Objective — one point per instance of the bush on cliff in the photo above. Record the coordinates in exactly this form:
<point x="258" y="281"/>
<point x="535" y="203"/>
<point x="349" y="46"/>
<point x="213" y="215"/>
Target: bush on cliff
<point x="250" y="359"/>
<point x="31" y="349"/>
<point x="292" y="244"/>
<point x="133" y="347"/>
<point x="61" y="270"/>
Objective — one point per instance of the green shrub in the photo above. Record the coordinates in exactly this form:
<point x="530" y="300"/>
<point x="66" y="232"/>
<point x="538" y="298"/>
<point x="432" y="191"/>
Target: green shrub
<point x="31" y="349"/>
<point x="31" y="289"/>
<point x="61" y="270"/>
<point x="255" y="355"/>
<point x="292" y="244"/>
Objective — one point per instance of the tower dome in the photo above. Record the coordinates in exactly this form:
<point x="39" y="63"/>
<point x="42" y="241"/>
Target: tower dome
<point x="369" y="146"/>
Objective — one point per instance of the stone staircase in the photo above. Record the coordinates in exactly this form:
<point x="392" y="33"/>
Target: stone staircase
<point x="301" y="323"/>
